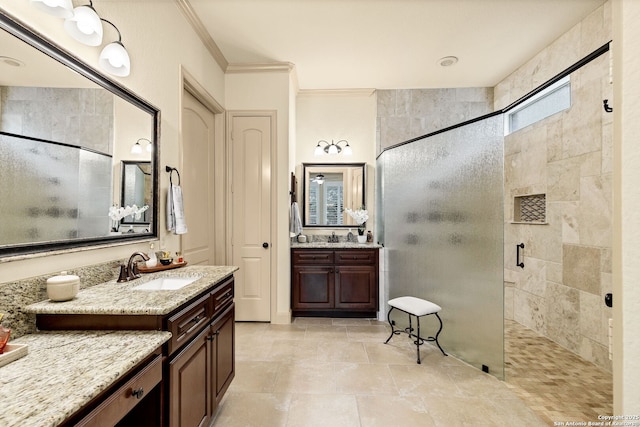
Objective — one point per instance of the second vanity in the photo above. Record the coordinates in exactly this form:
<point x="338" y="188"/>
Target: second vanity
<point x="195" y="365"/>
<point x="334" y="279"/>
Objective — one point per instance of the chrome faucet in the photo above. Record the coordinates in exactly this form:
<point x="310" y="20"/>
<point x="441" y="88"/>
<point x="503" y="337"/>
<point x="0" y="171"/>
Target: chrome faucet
<point x="130" y="271"/>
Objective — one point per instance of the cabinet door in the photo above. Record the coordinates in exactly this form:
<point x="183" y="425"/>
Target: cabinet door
<point x="189" y="384"/>
<point x="222" y="355"/>
<point x="313" y="287"/>
<point x="356" y="287"/>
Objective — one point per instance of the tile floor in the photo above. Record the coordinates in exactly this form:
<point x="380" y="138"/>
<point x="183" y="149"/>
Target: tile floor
<point x="558" y="385"/>
<point x="339" y="372"/>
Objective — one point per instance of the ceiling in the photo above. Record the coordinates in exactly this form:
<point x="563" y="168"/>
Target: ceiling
<point x="389" y="44"/>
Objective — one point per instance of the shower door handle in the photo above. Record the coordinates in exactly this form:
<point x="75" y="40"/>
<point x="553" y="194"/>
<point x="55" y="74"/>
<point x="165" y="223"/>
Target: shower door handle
<point x="518" y="263"/>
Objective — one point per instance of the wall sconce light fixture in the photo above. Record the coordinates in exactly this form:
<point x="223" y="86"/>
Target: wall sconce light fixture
<point x="85" y="25"/>
<point x="59" y="8"/>
<point x="137" y="147"/>
<point x="318" y="179"/>
<point x="333" y="148"/>
<point x="114" y="58"/>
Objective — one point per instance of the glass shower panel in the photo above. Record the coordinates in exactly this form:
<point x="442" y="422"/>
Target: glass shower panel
<point x="442" y="209"/>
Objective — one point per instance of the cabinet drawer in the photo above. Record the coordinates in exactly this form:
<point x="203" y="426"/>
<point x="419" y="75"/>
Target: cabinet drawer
<point x="125" y="398"/>
<point x="187" y="322"/>
<point x="356" y="257"/>
<point x="306" y="256"/>
<point x="223" y="296"/>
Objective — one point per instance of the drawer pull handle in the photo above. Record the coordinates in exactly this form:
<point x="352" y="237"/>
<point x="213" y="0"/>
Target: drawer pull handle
<point x="138" y="393"/>
<point x="196" y="319"/>
<point x="227" y="295"/>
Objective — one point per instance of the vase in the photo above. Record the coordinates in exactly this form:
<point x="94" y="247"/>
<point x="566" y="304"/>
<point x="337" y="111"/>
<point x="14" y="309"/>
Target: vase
<point x="362" y="239"/>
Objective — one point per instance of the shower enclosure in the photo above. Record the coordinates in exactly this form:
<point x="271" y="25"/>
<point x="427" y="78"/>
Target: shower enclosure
<point x="440" y="217"/>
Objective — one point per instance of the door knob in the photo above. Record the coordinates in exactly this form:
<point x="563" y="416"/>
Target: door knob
<point x="265" y="245"/>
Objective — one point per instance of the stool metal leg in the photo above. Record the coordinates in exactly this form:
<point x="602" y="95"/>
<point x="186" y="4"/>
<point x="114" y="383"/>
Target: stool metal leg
<point x="438" y="333"/>
<point x="391" y="324"/>
<point x="418" y="339"/>
<point x="409" y="331"/>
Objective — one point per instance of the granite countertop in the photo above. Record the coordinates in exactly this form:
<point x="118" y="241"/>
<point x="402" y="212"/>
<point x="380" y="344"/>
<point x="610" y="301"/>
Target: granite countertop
<point x="65" y="370"/>
<point x="341" y="245"/>
<point x="118" y="298"/>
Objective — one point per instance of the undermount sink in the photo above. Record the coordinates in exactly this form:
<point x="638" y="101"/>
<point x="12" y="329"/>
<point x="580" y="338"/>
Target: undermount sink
<point x="166" y="283"/>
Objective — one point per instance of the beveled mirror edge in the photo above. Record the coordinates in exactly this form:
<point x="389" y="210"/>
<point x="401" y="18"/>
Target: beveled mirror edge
<point x="303" y="185"/>
<point x="30" y="36"/>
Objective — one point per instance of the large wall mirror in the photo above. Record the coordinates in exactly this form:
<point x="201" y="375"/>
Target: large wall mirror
<point x="66" y="133"/>
<point x="328" y="190"/>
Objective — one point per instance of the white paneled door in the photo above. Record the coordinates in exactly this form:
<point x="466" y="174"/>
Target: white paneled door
<point x="197" y="183"/>
<point x="252" y="138"/>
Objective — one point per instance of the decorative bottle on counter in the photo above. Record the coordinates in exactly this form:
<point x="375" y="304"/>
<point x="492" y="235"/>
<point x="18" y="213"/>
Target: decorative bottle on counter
<point x="369" y="237"/>
<point x="153" y="260"/>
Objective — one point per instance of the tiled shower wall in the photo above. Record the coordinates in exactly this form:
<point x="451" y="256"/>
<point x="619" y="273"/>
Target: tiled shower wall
<point x="568" y="156"/>
<point x="404" y="114"/>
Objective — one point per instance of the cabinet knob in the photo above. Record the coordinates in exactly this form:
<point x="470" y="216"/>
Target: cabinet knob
<point x="265" y="245"/>
<point x="138" y="393"/>
<point x="210" y="337"/>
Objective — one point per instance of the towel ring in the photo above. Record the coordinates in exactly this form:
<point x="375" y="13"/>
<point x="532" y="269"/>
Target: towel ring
<point x="171" y="170"/>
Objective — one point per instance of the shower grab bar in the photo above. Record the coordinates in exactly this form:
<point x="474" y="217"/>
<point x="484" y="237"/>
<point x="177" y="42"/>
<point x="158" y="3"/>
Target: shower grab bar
<point x="518" y="263"/>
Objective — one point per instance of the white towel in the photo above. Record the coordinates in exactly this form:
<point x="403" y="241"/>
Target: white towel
<point x="295" y="225"/>
<point x="175" y="210"/>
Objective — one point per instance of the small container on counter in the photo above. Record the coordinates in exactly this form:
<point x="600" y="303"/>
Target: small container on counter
<point x="63" y="287"/>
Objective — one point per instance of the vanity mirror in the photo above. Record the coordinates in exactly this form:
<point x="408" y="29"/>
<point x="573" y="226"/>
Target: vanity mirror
<point x="66" y="132"/>
<point x="328" y="190"/>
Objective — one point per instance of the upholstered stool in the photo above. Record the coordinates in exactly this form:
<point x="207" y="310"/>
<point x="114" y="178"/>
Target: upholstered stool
<point x="414" y="307"/>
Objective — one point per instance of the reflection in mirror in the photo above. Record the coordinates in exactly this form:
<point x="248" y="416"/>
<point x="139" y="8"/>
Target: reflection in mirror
<point x="328" y="190"/>
<point x="64" y="131"/>
<point x="136" y="190"/>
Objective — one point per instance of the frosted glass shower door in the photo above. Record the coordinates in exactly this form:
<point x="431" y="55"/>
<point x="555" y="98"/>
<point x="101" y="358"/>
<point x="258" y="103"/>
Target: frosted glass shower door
<point x="441" y="206"/>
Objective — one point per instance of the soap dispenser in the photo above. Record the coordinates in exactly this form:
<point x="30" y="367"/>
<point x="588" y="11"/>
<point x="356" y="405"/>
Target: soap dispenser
<point x="350" y="237"/>
<point x="153" y="260"/>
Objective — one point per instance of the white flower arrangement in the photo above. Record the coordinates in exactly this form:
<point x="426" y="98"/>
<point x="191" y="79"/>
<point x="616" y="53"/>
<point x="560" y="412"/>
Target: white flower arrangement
<point x="117" y="213"/>
<point x="360" y="216"/>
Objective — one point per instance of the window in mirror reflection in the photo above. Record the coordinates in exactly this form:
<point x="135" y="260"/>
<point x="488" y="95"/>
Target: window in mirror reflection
<point x="328" y="190"/>
<point x="137" y="189"/>
<point x="326" y="199"/>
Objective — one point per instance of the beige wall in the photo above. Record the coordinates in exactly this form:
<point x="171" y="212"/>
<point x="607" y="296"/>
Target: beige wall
<point x="156" y="56"/>
<point x="337" y="115"/>
<point x="626" y="251"/>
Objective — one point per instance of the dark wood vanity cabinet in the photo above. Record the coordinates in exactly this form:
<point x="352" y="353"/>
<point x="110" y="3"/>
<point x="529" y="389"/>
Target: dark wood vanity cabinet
<point x="339" y="282"/>
<point x="197" y="364"/>
<point x="201" y="372"/>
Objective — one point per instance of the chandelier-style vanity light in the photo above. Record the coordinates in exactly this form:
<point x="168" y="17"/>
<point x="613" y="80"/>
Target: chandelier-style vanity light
<point x="333" y="148"/>
<point x="114" y="58"/>
<point x="85" y="25"/>
<point x="59" y="8"/>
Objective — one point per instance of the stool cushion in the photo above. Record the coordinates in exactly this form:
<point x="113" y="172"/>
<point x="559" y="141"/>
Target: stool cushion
<point x="415" y="306"/>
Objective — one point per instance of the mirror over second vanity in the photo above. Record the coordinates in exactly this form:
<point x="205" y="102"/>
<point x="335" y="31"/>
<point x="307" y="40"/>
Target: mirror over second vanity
<point x="330" y="188"/>
<point x="66" y="133"/>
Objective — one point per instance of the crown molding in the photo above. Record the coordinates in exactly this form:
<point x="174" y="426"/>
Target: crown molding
<point x="336" y="92"/>
<point x="202" y="32"/>
<point x="260" y="67"/>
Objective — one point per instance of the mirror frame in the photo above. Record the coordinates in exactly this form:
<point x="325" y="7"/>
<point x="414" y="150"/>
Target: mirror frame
<point x="36" y="40"/>
<point x="331" y="165"/>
